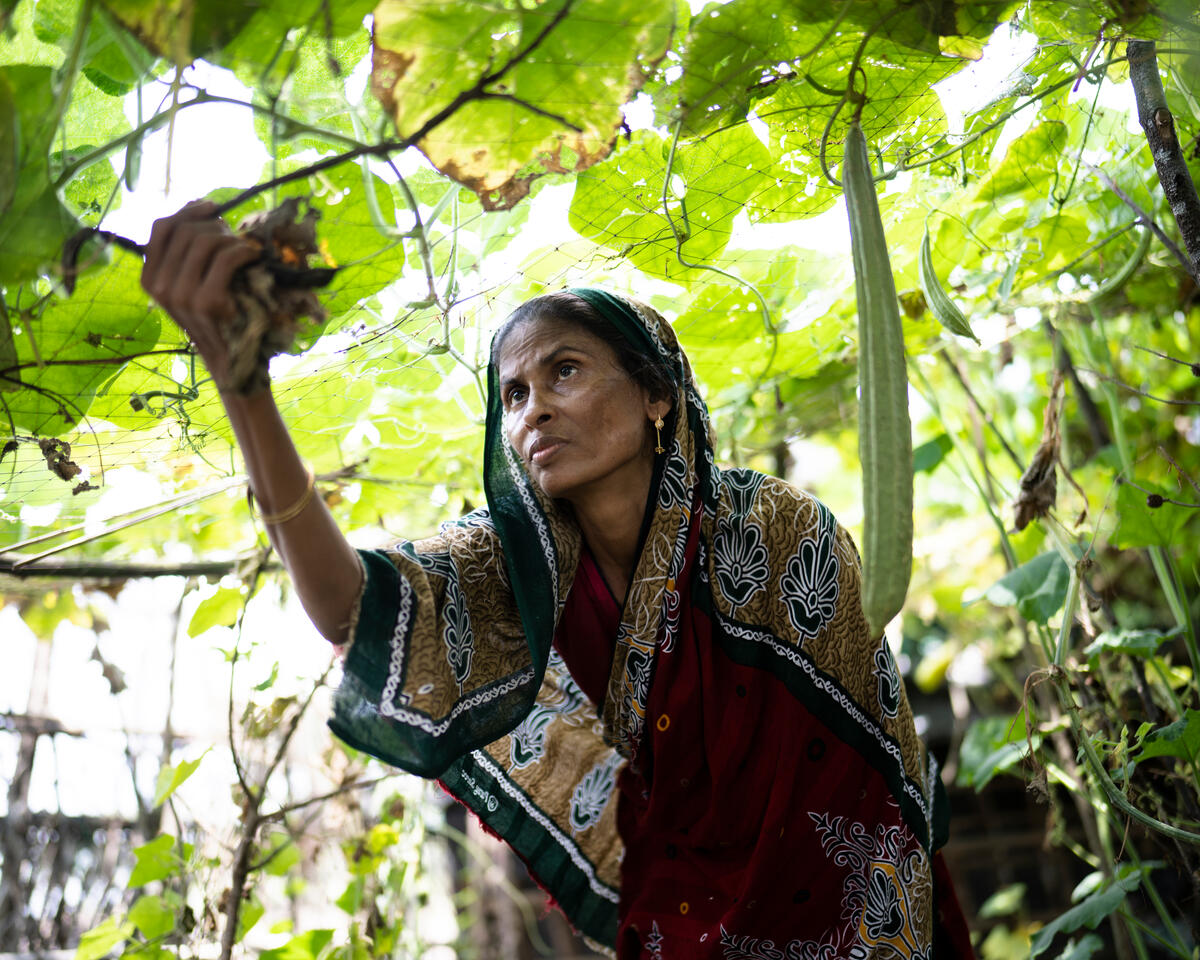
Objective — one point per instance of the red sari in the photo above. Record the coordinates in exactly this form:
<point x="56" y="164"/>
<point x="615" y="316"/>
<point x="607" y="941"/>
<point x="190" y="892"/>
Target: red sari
<point x="723" y="845"/>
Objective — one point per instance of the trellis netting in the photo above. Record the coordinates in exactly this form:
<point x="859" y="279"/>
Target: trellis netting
<point x="491" y="152"/>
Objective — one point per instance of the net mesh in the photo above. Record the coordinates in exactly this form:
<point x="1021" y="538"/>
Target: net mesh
<point x="727" y="223"/>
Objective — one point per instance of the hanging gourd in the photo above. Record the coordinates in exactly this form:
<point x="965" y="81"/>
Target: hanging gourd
<point x="885" y="434"/>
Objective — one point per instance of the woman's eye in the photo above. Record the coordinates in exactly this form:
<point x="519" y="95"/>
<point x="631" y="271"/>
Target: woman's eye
<point x="516" y="395"/>
<point x="566" y="370"/>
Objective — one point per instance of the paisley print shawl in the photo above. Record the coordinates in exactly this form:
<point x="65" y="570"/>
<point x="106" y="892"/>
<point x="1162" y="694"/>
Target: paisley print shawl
<point x="451" y="671"/>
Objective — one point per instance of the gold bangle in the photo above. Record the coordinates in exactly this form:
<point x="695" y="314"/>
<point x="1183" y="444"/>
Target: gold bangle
<point x="283" y="516"/>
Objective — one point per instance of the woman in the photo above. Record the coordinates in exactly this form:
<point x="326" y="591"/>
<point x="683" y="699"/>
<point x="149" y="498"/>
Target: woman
<point x="650" y="676"/>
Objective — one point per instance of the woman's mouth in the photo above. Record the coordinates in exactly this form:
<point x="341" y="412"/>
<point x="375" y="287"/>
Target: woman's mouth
<point x="544" y="449"/>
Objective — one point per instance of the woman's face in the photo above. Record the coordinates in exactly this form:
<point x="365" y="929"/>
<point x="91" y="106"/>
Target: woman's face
<point x="577" y="419"/>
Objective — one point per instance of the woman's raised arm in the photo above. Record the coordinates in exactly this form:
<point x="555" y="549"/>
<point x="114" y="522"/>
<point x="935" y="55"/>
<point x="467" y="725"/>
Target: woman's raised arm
<point x="190" y="260"/>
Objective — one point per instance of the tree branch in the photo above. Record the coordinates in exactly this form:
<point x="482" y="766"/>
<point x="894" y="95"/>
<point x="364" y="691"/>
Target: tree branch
<point x="89" y="362"/>
<point x="99" y="570"/>
<point x="345" y="788"/>
<point x="478" y="91"/>
<point x="1146" y="219"/>
<point x="1159" y="125"/>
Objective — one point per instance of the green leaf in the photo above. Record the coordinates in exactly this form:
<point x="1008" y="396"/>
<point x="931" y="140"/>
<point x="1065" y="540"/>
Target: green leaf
<point x="283" y="854"/>
<point x="304" y="946"/>
<point x="620" y="205"/>
<point x="78" y="338"/>
<point x="1083" y="950"/>
<point x="1134" y="643"/>
<point x="1005" y="901"/>
<point x="1178" y="739"/>
<point x="1139" y="525"/>
<point x="1037" y="589"/>
<point x="990" y="746"/>
<point x="222" y="609"/>
<point x="557" y="109"/>
<point x="1088" y="914"/>
<point x="100" y="941"/>
<point x="152" y="916"/>
<point x="157" y="859"/>
<point x="156" y="24"/>
<point x="170" y="778"/>
<point x="112" y="59"/>
<point x="1030" y="159"/>
<point x="929" y="454"/>
<point x="9" y="377"/>
<point x="251" y="912"/>
<point x="351" y="898"/>
<point x="270" y="681"/>
<point x="33" y="222"/>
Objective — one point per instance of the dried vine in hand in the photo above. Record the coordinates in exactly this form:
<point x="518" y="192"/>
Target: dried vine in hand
<point x="273" y="293"/>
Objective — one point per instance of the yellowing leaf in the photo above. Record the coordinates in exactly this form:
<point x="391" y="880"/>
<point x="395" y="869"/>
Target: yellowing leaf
<point x="159" y="24"/>
<point x="524" y="90"/>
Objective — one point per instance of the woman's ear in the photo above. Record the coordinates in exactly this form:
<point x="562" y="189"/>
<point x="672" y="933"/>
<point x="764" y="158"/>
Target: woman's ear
<point x="657" y="408"/>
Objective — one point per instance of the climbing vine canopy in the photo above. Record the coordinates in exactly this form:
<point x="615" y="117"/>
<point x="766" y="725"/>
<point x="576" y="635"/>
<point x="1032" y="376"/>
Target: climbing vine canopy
<point x="463" y="156"/>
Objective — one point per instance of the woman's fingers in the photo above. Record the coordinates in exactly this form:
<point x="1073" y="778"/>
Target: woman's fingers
<point x="161" y="236"/>
<point x="214" y="292"/>
<point x="190" y="261"/>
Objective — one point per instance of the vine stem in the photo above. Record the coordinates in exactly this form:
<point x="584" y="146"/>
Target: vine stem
<point x="681" y="237"/>
<point x="477" y="91"/>
<point x="202" y="97"/>
<point x="71" y="65"/>
<point x="930" y="397"/>
<point x="1158" y="556"/>
<point x="1095" y="763"/>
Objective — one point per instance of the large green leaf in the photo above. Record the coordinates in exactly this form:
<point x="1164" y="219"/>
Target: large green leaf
<point x="990" y="746"/>
<point x="269" y="52"/>
<point x="1179" y="739"/>
<point x="158" y="859"/>
<point x="1140" y="525"/>
<point x="111" y="58"/>
<point x="1088" y="914"/>
<point x="151" y="915"/>
<point x="620" y="204"/>
<point x="741" y="52"/>
<point x="1029" y="160"/>
<point x="1037" y="588"/>
<point x="33" y="221"/>
<point x="1133" y="643"/>
<point x="557" y="109"/>
<point x="157" y="24"/>
<point x="81" y="342"/>
<point x="98" y="941"/>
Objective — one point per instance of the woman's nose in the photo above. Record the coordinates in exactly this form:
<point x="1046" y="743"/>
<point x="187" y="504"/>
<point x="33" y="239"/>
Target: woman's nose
<point x="539" y="408"/>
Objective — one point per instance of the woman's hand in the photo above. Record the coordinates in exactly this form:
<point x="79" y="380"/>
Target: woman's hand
<point x="190" y="260"/>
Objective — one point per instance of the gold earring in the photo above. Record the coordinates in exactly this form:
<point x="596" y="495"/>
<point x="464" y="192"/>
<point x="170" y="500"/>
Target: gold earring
<point x="658" y="425"/>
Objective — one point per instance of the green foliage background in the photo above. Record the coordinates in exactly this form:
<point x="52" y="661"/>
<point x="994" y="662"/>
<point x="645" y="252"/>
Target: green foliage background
<point x="748" y="104"/>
